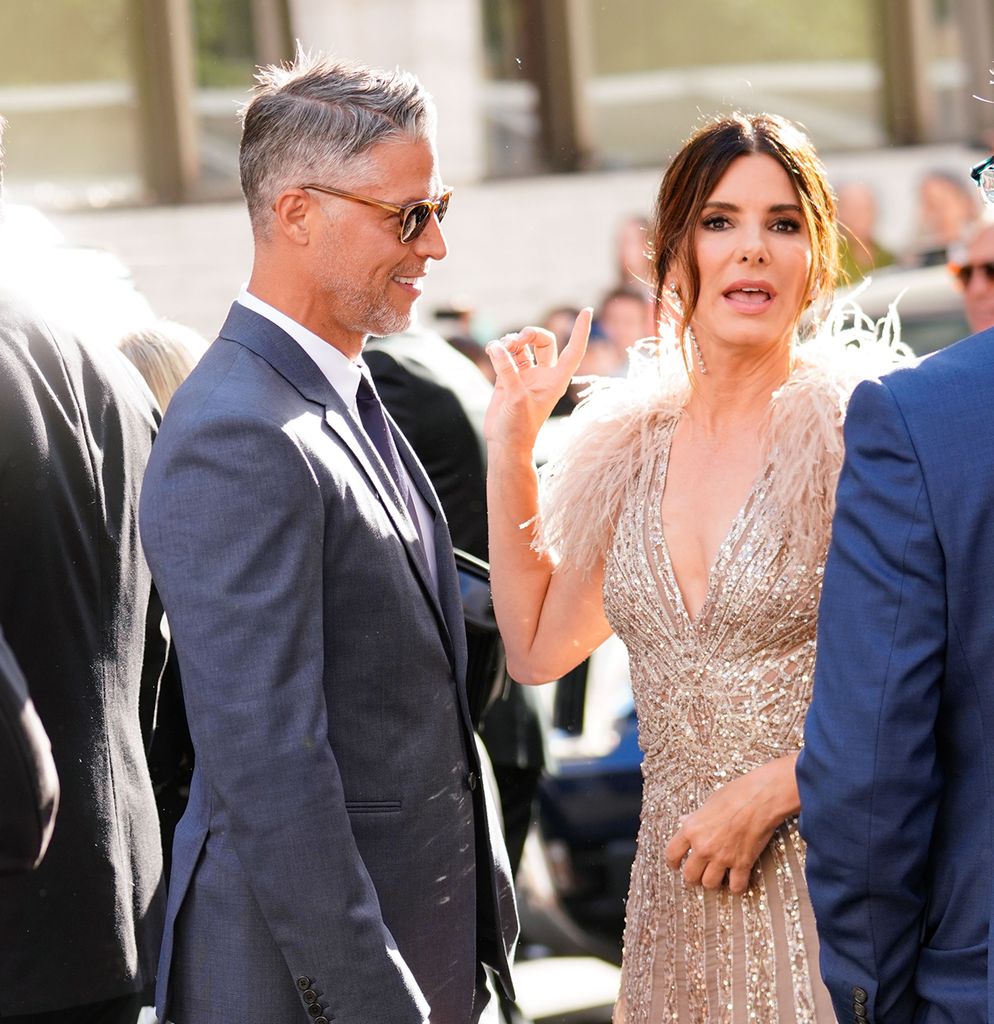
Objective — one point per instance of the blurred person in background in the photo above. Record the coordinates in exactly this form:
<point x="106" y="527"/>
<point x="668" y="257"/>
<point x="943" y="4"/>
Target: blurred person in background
<point x="472" y="350"/>
<point x="30" y="795"/>
<point x="624" y="317"/>
<point x="689" y="511"/>
<point x="972" y="266"/>
<point x="946" y="208"/>
<point x="338" y="858"/>
<point x="634" y="267"/>
<point x="559" y="320"/>
<point x="79" y="936"/>
<point x="164" y="353"/>
<point x="860" y="252"/>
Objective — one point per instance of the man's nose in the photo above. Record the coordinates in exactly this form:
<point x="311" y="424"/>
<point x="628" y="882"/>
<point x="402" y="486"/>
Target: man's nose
<point x="978" y="282"/>
<point x="430" y="244"/>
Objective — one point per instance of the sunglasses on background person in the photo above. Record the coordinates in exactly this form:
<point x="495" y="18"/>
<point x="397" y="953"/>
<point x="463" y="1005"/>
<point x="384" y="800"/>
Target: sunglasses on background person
<point x="983" y="175"/>
<point x="963" y="272"/>
<point x="414" y="216"/>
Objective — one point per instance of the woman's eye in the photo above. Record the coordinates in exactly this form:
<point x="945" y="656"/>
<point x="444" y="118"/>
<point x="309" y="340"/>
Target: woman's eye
<point x="787" y="225"/>
<point x="716" y="222"/>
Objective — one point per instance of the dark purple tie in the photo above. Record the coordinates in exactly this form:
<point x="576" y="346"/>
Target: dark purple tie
<point x="374" y="422"/>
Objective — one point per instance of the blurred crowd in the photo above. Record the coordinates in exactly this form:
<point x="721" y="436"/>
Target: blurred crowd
<point x="952" y="229"/>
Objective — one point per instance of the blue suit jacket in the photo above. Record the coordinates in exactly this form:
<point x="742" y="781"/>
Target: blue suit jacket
<point x="897" y="774"/>
<point x="336" y="860"/>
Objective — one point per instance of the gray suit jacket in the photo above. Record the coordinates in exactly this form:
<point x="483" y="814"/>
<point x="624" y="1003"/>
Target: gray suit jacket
<point x="337" y="859"/>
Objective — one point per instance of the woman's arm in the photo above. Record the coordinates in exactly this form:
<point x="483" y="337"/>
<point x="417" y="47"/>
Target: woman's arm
<point x="549" y="621"/>
<point x="732" y="827"/>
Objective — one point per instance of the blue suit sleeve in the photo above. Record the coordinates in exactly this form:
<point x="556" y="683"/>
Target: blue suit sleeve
<point x="868" y="777"/>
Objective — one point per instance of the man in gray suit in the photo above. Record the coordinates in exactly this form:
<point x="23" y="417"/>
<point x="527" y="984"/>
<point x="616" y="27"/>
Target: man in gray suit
<point x="337" y="859"/>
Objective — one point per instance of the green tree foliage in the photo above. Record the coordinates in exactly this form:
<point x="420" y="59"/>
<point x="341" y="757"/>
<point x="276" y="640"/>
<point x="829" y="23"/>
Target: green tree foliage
<point x="225" y="42"/>
<point x="645" y="35"/>
<point x="44" y="42"/>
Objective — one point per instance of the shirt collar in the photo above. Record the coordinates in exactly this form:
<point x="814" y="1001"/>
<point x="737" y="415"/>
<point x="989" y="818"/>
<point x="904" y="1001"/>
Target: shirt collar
<point x="342" y="373"/>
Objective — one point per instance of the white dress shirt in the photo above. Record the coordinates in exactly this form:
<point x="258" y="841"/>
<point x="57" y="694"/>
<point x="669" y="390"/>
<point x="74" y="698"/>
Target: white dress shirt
<point x="344" y="374"/>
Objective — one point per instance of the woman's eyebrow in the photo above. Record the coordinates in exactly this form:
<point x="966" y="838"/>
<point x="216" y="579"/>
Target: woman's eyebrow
<point x="718" y="204"/>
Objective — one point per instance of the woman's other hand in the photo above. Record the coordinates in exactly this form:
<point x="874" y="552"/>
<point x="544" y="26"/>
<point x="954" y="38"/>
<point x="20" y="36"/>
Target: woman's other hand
<point x="531" y="378"/>
<point x="726" y="835"/>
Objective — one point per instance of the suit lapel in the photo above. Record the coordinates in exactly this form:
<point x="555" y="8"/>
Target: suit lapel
<point x="339" y="420"/>
<point x="291" y="362"/>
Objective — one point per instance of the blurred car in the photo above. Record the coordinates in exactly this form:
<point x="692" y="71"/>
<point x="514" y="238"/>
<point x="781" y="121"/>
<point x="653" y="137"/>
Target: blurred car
<point x="575" y="873"/>
<point x="577" y="862"/>
<point x="929" y="305"/>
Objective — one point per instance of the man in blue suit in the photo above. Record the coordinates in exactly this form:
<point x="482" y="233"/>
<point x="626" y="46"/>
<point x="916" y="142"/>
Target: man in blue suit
<point x="897" y="774"/>
<point x="338" y="859"/>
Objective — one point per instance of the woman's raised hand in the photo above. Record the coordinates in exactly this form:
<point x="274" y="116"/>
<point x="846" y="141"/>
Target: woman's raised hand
<point x="531" y="378"/>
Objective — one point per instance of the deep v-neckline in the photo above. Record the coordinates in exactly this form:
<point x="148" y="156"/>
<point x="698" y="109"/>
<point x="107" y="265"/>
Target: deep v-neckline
<point x="727" y="545"/>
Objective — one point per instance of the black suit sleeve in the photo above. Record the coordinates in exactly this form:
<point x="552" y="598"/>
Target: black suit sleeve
<point x="31" y="787"/>
<point x="448" y="445"/>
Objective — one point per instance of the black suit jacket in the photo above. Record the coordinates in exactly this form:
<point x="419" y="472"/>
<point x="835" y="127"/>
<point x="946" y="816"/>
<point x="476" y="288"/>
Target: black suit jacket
<point x="30" y="784"/>
<point x="439" y="400"/>
<point x="76" y="427"/>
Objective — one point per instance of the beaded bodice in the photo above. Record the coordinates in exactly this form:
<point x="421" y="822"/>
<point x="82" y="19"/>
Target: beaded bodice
<point x="726" y="691"/>
<point x="716" y="696"/>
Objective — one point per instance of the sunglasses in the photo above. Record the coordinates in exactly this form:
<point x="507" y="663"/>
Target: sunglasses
<point x="983" y="175"/>
<point x="414" y="216"/>
<point x="963" y="272"/>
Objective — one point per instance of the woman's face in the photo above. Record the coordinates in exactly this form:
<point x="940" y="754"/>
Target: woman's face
<point x="754" y="253"/>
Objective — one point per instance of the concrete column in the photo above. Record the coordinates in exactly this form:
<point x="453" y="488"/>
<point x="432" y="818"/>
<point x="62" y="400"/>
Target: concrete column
<point x="271" y="29"/>
<point x="909" y="109"/>
<point x="559" y="40"/>
<point x="438" y="40"/>
<point x="162" y="44"/>
<point x="975" y="22"/>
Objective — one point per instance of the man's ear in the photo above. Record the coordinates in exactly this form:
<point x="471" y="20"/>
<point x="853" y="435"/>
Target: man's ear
<point x="292" y="211"/>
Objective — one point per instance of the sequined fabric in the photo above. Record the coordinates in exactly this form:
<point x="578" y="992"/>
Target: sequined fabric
<point x="716" y="697"/>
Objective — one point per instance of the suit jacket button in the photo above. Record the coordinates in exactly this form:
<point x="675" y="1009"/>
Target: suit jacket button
<point x="303" y="982"/>
<point x="860" y="1010"/>
<point x="314" y="1010"/>
<point x="310" y="996"/>
<point x="321" y="1020"/>
<point x="859" y="995"/>
<point x="471" y="780"/>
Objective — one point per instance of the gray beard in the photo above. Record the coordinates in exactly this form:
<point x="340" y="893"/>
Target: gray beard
<point x="371" y="318"/>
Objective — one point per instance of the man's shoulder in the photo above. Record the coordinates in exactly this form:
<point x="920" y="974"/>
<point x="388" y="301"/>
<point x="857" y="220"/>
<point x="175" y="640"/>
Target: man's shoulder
<point x="965" y="364"/>
<point x="945" y="399"/>
<point x="232" y="388"/>
<point x="39" y="354"/>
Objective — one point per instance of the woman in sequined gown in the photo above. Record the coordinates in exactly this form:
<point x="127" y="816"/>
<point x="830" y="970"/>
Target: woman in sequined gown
<point x="689" y="512"/>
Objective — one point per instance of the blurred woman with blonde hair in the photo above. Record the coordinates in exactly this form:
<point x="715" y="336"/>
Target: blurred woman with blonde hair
<point x="164" y="353"/>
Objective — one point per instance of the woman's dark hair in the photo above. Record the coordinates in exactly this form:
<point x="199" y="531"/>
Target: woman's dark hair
<point x="693" y="176"/>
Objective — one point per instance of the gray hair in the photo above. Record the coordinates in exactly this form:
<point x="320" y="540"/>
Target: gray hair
<point x="313" y="120"/>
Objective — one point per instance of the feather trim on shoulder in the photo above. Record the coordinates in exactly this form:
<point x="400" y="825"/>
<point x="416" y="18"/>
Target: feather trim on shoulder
<point x="603" y="447"/>
<point x="804" y="443"/>
<point x="615" y="429"/>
